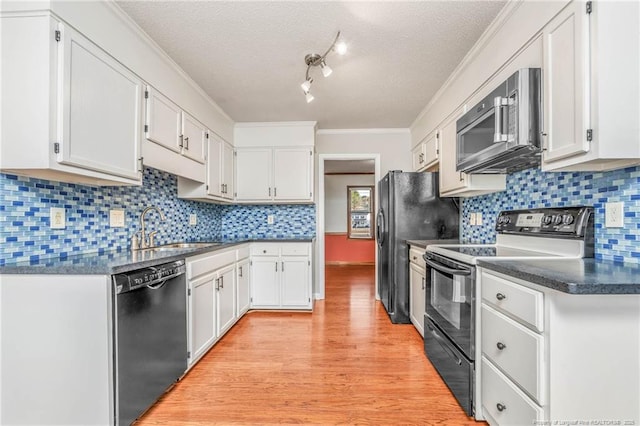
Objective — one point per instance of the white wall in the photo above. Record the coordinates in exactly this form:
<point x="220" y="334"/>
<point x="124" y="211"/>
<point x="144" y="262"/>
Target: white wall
<point x="393" y="145"/>
<point x="335" y="197"/>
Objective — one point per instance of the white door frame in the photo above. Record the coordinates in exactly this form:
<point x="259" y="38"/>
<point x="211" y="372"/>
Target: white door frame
<point x="320" y="287"/>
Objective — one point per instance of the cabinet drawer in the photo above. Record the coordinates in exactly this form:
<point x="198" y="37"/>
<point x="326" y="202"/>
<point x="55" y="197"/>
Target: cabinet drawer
<point x="243" y="252"/>
<point x="265" y="249"/>
<point x="516" y="300"/>
<point x="204" y="263"/>
<point x="521" y="357"/>
<point x="415" y="256"/>
<point x="294" y="249"/>
<point x="503" y="402"/>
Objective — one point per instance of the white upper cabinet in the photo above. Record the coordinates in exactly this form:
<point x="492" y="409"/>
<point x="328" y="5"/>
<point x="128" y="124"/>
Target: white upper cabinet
<point x="163" y="120"/>
<point x="253" y="174"/>
<point x="70" y="112"/>
<point x="274" y="162"/>
<point x="426" y="154"/>
<point x="194" y="135"/>
<point x="171" y="127"/>
<point x="292" y="174"/>
<point x="218" y="185"/>
<point x="591" y="87"/>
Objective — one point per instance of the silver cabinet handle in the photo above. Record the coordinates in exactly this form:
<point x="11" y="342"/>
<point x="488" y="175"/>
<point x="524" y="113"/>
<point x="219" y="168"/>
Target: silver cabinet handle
<point x="275" y="192"/>
<point x="218" y="284"/>
<point x="186" y="143"/>
<point x="501" y="407"/>
<point x="276" y="266"/>
<point x="241" y="272"/>
<point x="269" y="191"/>
<point x="181" y="143"/>
<point x="500" y="296"/>
<point x="282" y="266"/>
<point x="221" y="282"/>
<point x="501" y="345"/>
<point x="423" y="281"/>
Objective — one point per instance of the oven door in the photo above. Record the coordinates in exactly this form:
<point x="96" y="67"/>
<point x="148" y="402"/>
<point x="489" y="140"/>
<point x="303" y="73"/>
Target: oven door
<point x="450" y="300"/>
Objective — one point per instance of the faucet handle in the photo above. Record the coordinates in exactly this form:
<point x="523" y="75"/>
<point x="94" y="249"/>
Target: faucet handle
<point x="135" y="241"/>
<point x="152" y="235"/>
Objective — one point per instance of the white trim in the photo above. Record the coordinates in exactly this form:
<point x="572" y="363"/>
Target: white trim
<point x="162" y="54"/>
<point x="275" y="123"/>
<point x="320" y="259"/>
<point x="363" y="131"/>
<point x="482" y="42"/>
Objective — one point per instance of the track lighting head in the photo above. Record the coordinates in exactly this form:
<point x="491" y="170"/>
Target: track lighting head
<point x="316" y="60"/>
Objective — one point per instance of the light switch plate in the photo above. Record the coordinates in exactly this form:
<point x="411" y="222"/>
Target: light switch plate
<point x="472" y="219"/>
<point x="116" y="218"/>
<point x="193" y="219"/>
<point x="614" y="215"/>
<point x="57" y="218"/>
<point x="479" y="218"/>
<point x="270" y="219"/>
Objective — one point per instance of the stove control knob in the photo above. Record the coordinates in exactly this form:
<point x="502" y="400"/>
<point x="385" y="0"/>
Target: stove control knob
<point x="557" y="219"/>
<point x="507" y="219"/>
<point x="546" y="220"/>
<point x="567" y="219"/>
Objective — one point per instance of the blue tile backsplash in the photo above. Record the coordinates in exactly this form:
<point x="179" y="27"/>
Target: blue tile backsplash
<point x="24" y="217"/>
<point x="533" y="188"/>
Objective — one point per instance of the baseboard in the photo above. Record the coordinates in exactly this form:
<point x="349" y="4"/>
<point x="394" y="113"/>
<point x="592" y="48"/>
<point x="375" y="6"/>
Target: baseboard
<point x="340" y="263"/>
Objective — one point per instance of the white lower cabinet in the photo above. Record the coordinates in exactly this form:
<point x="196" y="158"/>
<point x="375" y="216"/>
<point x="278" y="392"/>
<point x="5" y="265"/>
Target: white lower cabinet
<point x="281" y="276"/>
<point x="548" y="357"/>
<point x="211" y="298"/>
<point x="243" y="299"/>
<point x="417" y="288"/>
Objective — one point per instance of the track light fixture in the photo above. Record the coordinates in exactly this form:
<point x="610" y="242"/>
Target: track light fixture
<point x="315" y="60"/>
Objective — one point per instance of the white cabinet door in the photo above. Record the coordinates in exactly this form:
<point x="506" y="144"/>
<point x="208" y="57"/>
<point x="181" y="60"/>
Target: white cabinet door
<point x="450" y="179"/>
<point x="294" y="280"/>
<point x="214" y="162"/>
<point x="566" y="79"/>
<point x="292" y="176"/>
<point x="226" y="303"/>
<point x="253" y="174"/>
<point x="265" y="286"/>
<point x="417" y="296"/>
<point x="101" y="110"/>
<point x="163" y="121"/>
<point x="194" y="135"/>
<point x="432" y="150"/>
<point x="242" y="281"/>
<point x="417" y="157"/>
<point x="202" y="312"/>
<point x="227" y="170"/>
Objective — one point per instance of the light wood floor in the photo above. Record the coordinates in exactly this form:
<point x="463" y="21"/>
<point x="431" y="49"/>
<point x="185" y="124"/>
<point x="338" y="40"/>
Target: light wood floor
<point x="344" y="364"/>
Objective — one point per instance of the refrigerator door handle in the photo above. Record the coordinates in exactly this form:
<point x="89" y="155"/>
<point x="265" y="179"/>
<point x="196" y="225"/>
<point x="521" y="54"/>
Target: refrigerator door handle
<point x="380" y="228"/>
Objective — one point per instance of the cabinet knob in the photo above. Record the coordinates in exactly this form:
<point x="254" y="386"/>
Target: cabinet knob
<point x="501" y="407"/>
<point x="500" y="296"/>
<point x="501" y="345"/>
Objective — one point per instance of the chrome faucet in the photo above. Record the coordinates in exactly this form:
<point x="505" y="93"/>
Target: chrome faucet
<point x="145" y="241"/>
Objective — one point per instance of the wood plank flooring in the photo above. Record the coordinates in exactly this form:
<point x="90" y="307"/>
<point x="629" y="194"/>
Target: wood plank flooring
<point x="344" y="364"/>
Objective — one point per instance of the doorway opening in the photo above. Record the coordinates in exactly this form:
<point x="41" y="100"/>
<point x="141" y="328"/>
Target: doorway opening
<point x="345" y="223"/>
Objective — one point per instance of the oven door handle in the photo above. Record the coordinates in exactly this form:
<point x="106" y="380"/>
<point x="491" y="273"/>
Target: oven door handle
<point x="440" y="267"/>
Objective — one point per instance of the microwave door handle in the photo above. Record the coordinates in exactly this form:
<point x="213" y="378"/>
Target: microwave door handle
<point x="497" y="104"/>
<point x="439" y="267"/>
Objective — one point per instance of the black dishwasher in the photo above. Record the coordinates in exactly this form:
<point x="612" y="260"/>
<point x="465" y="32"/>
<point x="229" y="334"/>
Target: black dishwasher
<point x="150" y="336"/>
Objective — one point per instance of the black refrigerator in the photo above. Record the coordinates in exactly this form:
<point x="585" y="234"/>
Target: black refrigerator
<point x="409" y="209"/>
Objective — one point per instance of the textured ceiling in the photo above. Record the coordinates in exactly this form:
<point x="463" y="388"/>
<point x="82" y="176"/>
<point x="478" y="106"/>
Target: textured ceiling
<point x="249" y="56"/>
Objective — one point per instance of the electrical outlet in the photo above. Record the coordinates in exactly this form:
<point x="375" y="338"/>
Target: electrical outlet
<point x="193" y="219"/>
<point x="57" y="218"/>
<point x="479" y="218"/>
<point x="614" y="215"/>
<point x="270" y="219"/>
<point x="472" y="219"/>
<point x="116" y="218"/>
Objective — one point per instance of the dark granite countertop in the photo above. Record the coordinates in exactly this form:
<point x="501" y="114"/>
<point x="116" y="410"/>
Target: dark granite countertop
<point x="574" y="276"/>
<point x="425" y="243"/>
<point x="119" y="261"/>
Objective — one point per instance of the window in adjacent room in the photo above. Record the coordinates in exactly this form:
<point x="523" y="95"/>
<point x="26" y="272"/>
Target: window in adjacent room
<point x="360" y="211"/>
